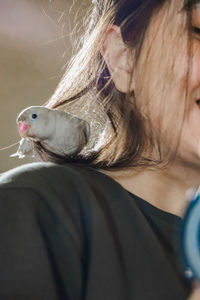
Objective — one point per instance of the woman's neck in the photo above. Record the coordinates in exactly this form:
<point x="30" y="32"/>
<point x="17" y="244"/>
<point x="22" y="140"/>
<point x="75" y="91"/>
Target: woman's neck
<point x="166" y="190"/>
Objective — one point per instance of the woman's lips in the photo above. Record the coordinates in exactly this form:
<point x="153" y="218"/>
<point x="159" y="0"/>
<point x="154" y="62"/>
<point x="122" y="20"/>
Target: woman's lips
<point x="22" y="128"/>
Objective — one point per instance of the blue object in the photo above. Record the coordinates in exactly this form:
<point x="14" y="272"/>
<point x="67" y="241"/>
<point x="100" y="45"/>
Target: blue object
<point x="190" y="237"/>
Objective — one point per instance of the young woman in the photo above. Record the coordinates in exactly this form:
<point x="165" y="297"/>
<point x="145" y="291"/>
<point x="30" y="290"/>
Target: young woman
<point x="105" y="223"/>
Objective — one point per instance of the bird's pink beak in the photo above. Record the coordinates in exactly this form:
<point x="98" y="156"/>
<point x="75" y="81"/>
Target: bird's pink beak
<point x="22" y="127"/>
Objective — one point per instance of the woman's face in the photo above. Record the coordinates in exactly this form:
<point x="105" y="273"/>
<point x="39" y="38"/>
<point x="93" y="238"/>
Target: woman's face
<point x="162" y="81"/>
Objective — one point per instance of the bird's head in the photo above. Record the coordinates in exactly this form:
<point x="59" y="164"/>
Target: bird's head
<point x="34" y="122"/>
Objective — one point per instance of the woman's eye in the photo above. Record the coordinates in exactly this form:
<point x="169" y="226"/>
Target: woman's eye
<point x="34" y="116"/>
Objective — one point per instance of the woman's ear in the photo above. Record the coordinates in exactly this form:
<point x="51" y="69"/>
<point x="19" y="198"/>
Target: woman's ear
<point x="117" y="58"/>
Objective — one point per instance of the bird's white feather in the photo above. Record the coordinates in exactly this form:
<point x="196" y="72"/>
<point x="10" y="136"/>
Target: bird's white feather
<point x="59" y="131"/>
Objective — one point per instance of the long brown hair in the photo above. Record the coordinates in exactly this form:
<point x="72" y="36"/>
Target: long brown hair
<point x="118" y="135"/>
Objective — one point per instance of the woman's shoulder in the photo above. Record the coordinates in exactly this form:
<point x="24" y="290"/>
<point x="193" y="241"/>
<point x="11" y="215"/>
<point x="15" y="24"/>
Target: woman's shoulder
<point x="59" y="180"/>
<point x="38" y="173"/>
<point x="66" y="192"/>
<point x="61" y="188"/>
<point x="50" y="190"/>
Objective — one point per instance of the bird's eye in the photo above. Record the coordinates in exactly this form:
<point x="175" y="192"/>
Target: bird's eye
<point x="34" y="116"/>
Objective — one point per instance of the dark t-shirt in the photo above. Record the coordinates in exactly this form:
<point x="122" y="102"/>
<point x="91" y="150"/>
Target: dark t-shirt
<point x="71" y="232"/>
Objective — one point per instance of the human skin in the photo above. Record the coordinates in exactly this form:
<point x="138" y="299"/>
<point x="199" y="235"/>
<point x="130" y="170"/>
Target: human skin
<point x="196" y="292"/>
<point x="164" y="64"/>
<point x="163" y="102"/>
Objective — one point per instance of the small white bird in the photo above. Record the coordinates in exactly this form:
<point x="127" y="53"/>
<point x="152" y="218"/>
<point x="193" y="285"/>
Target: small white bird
<point x="56" y="130"/>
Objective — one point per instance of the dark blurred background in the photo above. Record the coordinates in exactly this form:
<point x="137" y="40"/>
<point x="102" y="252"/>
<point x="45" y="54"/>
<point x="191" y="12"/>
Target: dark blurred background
<point x="35" y="45"/>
